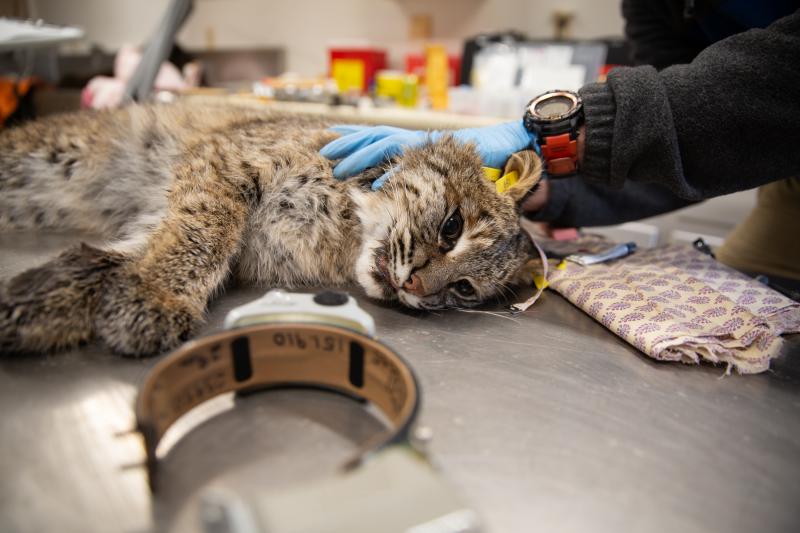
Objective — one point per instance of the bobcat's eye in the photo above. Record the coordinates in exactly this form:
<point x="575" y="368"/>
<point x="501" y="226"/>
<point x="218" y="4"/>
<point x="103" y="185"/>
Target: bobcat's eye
<point x="451" y="229"/>
<point x="464" y="288"/>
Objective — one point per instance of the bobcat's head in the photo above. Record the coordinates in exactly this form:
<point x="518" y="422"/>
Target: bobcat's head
<point x="437" y="234"/>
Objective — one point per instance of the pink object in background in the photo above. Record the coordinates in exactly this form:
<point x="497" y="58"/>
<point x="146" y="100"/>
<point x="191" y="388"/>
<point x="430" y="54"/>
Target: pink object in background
<point x="103" y="92"/>
<point x="564" y="234"/>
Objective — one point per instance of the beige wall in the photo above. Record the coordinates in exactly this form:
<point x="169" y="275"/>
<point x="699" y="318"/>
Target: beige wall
<point x="304" y="28"/>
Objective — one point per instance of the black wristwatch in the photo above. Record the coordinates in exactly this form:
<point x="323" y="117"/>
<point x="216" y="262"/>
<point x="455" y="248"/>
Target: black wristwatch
<point x="554" y="117"/>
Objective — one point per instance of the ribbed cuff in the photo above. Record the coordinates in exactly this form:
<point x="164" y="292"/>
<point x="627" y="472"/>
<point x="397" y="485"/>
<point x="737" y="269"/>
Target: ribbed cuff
<point x="599" y="109"/>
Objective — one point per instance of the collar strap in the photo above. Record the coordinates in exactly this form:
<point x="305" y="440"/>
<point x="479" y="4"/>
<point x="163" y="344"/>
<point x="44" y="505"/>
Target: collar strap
<point x="277" y="355"/>
<point x="539" y="279"/>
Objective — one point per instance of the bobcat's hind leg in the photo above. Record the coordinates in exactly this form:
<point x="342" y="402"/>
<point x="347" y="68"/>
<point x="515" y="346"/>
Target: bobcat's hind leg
<point x="50" y="307"/>
<point x="156" y="301"/>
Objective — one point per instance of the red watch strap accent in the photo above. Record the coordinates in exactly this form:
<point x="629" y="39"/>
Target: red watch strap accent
<point x="561" y="166"/>
<point x="561" y="154"/>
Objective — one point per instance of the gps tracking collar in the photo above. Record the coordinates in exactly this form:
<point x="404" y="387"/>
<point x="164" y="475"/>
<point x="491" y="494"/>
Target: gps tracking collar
<point x="326" y="341"/>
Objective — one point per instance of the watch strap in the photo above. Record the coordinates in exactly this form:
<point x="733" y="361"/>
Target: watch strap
<point x="561" y="154"/>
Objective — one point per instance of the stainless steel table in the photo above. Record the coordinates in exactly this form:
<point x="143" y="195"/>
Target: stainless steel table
<point x="545" y="423"/>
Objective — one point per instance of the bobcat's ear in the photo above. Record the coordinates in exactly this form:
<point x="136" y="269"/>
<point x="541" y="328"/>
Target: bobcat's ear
<point x="528" y="167"/>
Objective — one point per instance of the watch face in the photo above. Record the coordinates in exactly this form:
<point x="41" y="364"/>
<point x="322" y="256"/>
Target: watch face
<point x="553" y="107"/>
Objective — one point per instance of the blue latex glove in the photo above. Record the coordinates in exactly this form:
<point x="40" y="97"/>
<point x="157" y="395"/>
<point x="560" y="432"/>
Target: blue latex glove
<point x="363" y="147"/>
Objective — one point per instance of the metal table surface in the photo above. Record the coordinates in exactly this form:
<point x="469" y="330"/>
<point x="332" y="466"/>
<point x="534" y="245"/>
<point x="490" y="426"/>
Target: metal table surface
<point x="546" y="423"/>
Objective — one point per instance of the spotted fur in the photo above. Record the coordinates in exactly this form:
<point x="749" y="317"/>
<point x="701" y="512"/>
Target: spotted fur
<point x="190" y="196"/>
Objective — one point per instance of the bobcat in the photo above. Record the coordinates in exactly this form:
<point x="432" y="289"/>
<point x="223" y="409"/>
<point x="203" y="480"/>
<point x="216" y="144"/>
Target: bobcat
<point x="190" y="196"/>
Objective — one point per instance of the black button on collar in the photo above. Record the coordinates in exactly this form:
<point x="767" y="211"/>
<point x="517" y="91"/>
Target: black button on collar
<point x="330" y="298"/>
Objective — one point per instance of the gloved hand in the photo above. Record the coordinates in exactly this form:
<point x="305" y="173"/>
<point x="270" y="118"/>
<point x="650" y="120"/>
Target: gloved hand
<point x="363" y="147"/>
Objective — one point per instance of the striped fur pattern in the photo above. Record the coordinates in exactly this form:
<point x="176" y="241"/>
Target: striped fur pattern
<point x="191" y="196"/>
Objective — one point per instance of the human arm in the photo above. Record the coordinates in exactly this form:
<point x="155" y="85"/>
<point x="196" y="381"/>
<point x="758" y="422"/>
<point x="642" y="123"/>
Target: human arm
<point x="573" y="202"/>
<point x="725" y="122"/>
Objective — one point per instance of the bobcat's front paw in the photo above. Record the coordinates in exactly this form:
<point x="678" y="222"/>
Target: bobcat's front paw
<point x="136" y="320"/>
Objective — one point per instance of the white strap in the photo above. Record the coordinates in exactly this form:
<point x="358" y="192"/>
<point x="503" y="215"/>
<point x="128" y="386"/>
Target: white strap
<point x="521" y="307"/>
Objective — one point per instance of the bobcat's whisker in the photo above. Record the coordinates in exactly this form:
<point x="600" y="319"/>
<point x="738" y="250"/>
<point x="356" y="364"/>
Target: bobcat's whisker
<point x="498" y="314"/>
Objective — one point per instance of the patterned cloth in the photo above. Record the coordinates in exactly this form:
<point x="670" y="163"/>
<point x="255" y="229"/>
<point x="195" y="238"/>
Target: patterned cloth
<point x="675" y="303"/>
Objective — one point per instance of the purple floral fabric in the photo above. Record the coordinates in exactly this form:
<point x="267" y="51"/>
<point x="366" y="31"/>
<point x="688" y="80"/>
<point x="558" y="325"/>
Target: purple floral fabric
<point x="676" y="304"/>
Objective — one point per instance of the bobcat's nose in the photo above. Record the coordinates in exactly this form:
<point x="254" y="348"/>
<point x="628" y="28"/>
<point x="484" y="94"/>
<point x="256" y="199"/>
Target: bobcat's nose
<point x="414" y="285"/>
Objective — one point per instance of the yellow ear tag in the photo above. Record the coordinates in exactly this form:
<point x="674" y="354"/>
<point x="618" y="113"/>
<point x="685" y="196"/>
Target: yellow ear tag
<point x="491" y="174"/>
<point x="506" y="182"/>
<point x="501" y="183"/>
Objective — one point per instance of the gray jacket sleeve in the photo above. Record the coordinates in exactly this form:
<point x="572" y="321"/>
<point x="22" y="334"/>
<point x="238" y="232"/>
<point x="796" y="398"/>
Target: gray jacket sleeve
<point x="727" y="121"/>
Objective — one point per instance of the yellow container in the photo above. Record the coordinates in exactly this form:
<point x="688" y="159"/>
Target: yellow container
<point x="348" y="73"/>
<point x="400" y="87"/>
<point x="437" y="75"/>
<point x="410" y="90"/>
